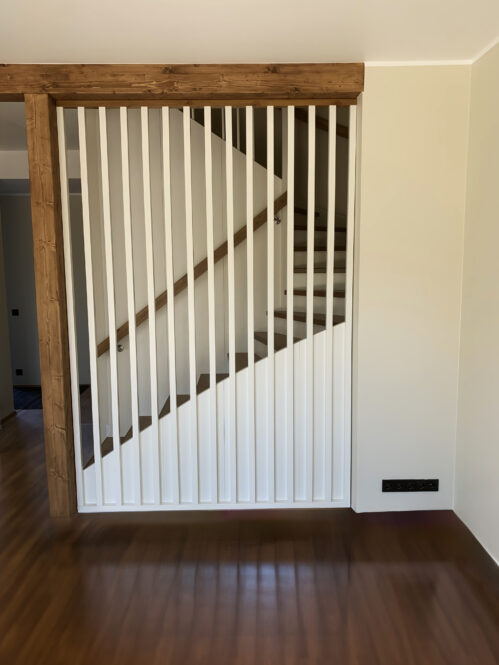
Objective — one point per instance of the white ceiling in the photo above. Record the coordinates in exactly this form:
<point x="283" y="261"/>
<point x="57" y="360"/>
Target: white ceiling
<point x="164" y="31"/>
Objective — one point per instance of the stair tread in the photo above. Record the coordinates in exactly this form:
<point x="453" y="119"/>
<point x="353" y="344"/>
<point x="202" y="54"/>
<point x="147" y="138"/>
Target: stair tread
<point x="280" y="340"/>
<point x="321" y="229"/>
<point x="320" y="268"/>
<point x="303" y="211"/>
<point x="204" y="381"/>
<point x="242" y="360"/>
<point x="318" y="293"/>
<point x="318" y="318"/>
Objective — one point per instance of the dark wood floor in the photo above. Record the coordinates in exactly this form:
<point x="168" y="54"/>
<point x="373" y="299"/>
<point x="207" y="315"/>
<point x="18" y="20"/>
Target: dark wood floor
<point x="308" y="587"/>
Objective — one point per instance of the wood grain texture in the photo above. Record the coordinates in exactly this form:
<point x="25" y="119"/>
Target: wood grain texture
<point x="51" y="302"/>
<point x="199" y="269"/>
<point x="184" y="82"/>
<point x="295" y="587"/>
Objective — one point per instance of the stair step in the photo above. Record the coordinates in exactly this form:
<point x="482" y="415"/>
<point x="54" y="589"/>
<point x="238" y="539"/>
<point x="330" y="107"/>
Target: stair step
<point x="107" y="444"/>
<point x="319" y="229"/>
<point x="304" y="211"/>
<point x="181" y="399"/>
<point x="320" y="268"/>
<point x="242" y="360"/>
<point x="279" y="339"/>
<point x="318" y="293"/>
<point x="320" y="247"/>
<point x="204" y="381"/>
<point x="318" y="318"/>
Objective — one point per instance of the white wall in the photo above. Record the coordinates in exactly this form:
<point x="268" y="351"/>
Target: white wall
<point x="6" y="400"/>
<point x="409" y="246"/>
<point x="477" y="469"/>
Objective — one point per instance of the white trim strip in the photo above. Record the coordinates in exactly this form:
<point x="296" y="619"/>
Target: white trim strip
<point x="251" y="303"/>
<point x="290" y="391"/>
<point x="211" y="297"/>
<point x="130" y="285"/>
<point x="329" y="373"/>
<point x="270" y="306"/>
<point x="167" y="211"/>
<point x="191" y="304"/>
<point x="111" y="304"/>
<point x="70" y="304"/>
<point x="310" y="306"/>
<point x="87" y="241"/>
<point x="151" y="304"/>
<point x="230" y="453"/>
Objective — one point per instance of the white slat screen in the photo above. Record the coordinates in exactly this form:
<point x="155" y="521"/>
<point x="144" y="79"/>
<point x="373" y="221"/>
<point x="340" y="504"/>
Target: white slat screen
<point x="209" y="265"/>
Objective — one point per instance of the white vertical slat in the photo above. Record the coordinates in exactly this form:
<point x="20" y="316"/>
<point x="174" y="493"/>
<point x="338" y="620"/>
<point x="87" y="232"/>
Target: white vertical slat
<point x="151" y="304"/>
<point x="211" y="297"/>
<point x="87" y="242"/>
<point x="328" y="387"/>
<point x="238" y="128"/>
<point x="310" y="305"/>
<point x="111" y="305"/>
<point x="191" y="305"/>
<point x="230" y="455"/>
<point x="68" y="266"/>
<point x="270" y="305"/>
<point x="343" y="458"/>
<point x="167" y="210"/>
<point x="130" y="285"/>
<point x="251" y="303"/>
<point x="290" y="381"/>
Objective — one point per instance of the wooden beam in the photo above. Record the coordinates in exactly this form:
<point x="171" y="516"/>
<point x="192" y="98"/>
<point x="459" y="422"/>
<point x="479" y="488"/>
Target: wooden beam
<point x="46" y="215"/>
<point x="184" y="82"/>
<point x="199" y="269"/>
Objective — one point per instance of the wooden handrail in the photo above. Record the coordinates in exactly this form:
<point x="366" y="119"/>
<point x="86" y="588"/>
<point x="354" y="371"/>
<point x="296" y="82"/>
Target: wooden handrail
<point x="321" y="123"/>
<point x="199" y="269"/>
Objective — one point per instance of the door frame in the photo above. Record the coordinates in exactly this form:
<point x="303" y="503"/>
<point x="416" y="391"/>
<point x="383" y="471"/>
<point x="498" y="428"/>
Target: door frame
<point x="42" y="88"/>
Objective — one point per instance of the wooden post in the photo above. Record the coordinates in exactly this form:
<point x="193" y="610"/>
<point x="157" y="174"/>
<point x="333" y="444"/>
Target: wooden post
<point x="46" y="215"/>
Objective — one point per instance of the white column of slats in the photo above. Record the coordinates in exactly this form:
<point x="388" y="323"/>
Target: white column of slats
<point x="111" y="305"/>
<point x="251" y="303"/>
<point x="328" y="387"/>
<point x="211" y="298"/>
<point x="290" y="381"/>
<point x="151" y="304"/>
<point x="270" y="305"/>
<point x="342" y="454"/>
<point x="70" y="303"/>
<point x="310" y="306"/>
<point x="191" y="306"/>
<point x="167" y="211"/>
<point x="130" y="285"/>
<point x="87" y="242"/>
<point x="230" y="453"/>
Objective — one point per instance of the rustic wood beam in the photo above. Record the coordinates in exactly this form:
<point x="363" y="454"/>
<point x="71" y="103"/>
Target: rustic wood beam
<point x="184" y="82"/>
<point x="51" y="302"/>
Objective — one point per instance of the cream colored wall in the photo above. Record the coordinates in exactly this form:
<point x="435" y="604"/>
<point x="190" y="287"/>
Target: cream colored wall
<point x="477" y="467"/>
<point x="409" y="235"/>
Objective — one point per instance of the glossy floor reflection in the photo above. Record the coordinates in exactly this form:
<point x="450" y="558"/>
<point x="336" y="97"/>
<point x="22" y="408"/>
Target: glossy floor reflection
<point x="263" y="587"/>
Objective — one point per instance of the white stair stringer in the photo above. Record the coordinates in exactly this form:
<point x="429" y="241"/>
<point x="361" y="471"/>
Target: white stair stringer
<point x="229" y="486"/>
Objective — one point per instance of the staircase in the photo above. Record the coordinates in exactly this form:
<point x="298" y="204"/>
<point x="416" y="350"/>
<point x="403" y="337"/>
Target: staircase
<point x="261" y="336"/>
